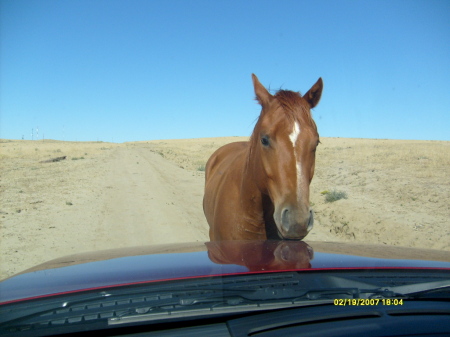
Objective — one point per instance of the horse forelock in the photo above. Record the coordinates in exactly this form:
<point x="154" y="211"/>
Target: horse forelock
<point x="295" y="107"/>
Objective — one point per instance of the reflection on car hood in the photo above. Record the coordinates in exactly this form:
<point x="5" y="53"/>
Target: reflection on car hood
<point x="125" y="266"/>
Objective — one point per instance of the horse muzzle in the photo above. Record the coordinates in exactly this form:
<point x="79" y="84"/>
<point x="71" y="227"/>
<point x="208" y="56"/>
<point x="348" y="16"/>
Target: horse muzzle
<point x="292" y="225"/>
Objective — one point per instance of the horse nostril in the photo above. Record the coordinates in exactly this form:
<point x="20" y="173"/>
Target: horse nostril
<point x="310" y="220"/>
<point x="285" y="219"/>
<point x="290" y="223"/>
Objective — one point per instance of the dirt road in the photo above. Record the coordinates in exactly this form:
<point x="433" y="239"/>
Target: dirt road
<point x="129" y="197"/>
<point x="150" y="200"/>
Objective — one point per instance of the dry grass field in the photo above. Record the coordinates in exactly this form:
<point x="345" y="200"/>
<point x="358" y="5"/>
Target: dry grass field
<point x="398" y="191"/>
<point x="102" y="195"/>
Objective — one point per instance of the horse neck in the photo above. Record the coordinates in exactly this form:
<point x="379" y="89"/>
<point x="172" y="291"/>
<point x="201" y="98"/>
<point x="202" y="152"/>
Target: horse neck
<point x="251" y="193"/>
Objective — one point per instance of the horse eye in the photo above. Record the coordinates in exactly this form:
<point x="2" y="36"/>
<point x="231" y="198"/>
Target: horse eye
<point x="265" y="140"/>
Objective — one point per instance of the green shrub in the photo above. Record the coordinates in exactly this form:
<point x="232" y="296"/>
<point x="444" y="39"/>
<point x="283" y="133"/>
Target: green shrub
<point x="335" y="195"/>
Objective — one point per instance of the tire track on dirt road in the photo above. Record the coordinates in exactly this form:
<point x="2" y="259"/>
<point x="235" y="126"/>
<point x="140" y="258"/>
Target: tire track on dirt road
<point x="149" y="200"/>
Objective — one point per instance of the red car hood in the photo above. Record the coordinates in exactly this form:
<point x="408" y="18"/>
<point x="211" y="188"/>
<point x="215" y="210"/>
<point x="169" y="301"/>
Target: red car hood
<point x="126" y="266"/>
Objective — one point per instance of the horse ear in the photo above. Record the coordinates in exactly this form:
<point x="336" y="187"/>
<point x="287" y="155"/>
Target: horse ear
<point x="313" y="95"/>
<point x="262" y="95"/>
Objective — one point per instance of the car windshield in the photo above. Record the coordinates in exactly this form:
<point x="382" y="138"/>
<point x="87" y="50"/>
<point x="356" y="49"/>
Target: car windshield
<point x="321" y="125"/>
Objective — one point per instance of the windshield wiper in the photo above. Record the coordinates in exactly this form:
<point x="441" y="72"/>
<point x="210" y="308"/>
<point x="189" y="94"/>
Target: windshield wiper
<point x="223" y="303"/>
<point x="413" y="290"/>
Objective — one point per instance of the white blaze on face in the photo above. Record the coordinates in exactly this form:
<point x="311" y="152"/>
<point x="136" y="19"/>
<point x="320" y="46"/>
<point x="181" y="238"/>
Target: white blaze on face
<point x="293" y="137"/>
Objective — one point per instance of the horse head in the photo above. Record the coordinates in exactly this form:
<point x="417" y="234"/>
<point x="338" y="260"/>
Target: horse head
<point x="282" y="151"/>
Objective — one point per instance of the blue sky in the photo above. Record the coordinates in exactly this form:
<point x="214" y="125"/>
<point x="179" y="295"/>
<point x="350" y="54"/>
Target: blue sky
<point x="144" y="70"/>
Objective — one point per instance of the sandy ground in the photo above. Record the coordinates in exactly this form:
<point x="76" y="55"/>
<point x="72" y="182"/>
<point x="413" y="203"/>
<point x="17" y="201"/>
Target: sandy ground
<point x="107" y="195"/>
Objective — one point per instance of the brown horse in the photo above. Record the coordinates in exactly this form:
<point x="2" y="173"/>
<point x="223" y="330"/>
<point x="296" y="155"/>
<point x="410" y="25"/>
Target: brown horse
<point x="259" y="189"/>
